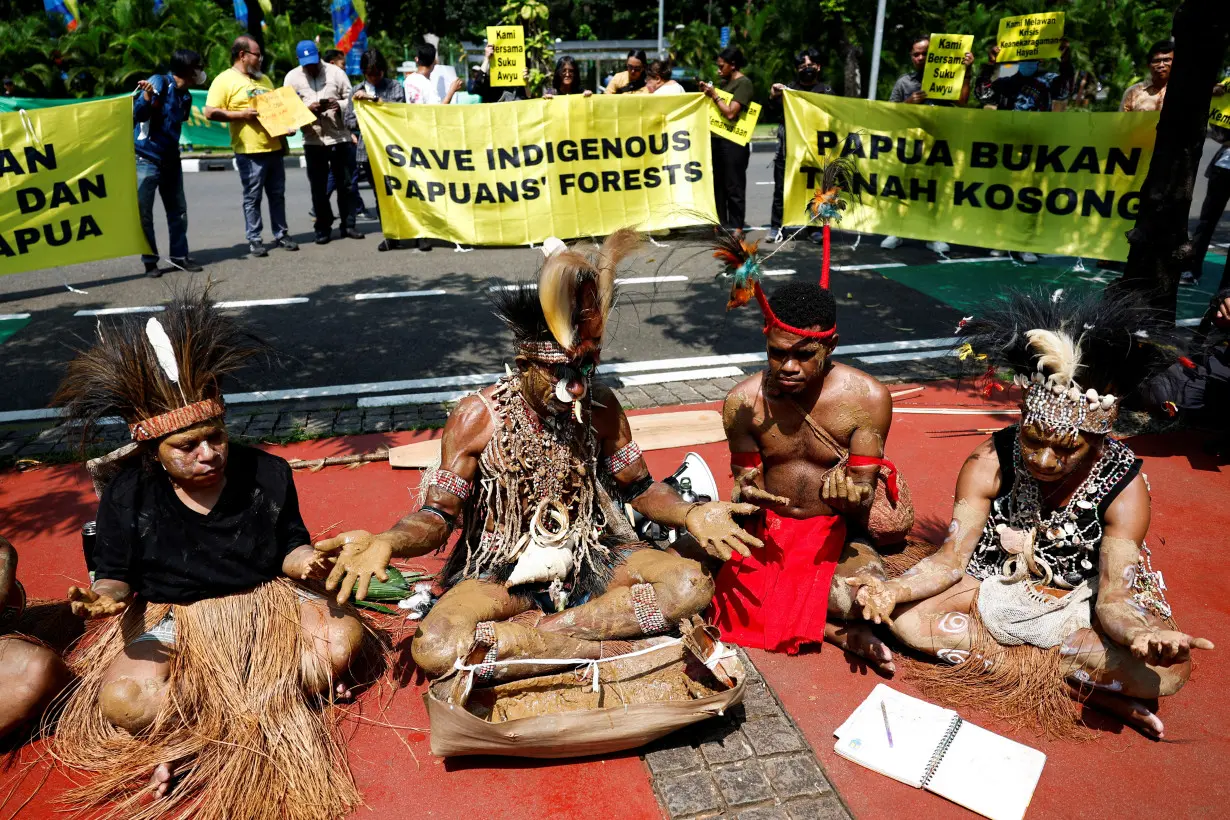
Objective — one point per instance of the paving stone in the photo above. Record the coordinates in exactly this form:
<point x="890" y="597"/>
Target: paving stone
<point x="726" y="383"/>
<point x="348" y="422"/>
<point x="742" y="783"/>
<point x="319" y="422"/>
<point x="377" y="420"/>
<point x="795" y="776"/>
<point x="690" y="793"/>
<point x="10" y="446"/>
<point x="35" y="449"/>
<point x="290" y="424"/>
<point x="708" y="390"/>
<point x="261" y="425"/>
<point x="685" y="394"/>
<point x="672" y="759"/>
<point x="764" y="813"/>
<point x="724" y="744"/>
<point x="635" y="397"/>
<point x="658" y="394"/>
<point x="827" y="807"/>
<point x="770" y="736"/>
<point x="758" y="702"/>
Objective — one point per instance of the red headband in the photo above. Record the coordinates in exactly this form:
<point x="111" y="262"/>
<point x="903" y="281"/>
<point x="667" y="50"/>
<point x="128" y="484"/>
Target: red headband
<point x="771" y="321"/>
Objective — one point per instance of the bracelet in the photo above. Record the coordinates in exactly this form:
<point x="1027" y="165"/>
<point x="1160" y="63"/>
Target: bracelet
<point x="448" y="520"/>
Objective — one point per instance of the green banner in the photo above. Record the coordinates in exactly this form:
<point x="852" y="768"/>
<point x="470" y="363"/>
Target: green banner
<point x="197" y="132"/>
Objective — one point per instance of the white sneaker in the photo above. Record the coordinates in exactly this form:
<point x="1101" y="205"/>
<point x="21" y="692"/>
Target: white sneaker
<point x="1029" y="258"/>
<point x="998" y="253"/>
<point x="938" y="247"/>
<point x="890" y="242"/>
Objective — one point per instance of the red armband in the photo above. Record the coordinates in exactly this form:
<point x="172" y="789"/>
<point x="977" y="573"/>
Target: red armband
<point x="747" y="461"/>
<point x="887" y="468"/>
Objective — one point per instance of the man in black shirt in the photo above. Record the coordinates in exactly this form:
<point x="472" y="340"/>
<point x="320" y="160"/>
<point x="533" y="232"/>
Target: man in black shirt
<point x="807" y="78"/>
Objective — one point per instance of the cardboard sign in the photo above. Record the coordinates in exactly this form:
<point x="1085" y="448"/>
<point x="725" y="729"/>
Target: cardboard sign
<point x="508" y="61"/>
<point x="945" y="72"/>
<point x="738" y="131"/>
<point x="1030" y="37"/>
<point x="1219" y="108"/>
<point x="282" y="112"/>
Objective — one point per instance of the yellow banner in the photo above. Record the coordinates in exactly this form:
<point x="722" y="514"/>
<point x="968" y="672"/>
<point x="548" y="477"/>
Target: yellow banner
<point x="508" y="60"/>
<point x="519" y="172"/>
<point x="738" y="130"/>
<point x="1029" y="37"/>
<point x="945" y="72"/>
<point x="1065" y="183"/>
<point x="68" y="186"/>
<point x="281" y="111"/>
<point x="1219" y="107"/>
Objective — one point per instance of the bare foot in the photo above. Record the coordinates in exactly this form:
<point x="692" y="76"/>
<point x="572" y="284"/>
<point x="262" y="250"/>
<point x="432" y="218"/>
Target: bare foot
<point x="859" y="639"/>
<point x="1131" y="711"/>
<point x="160" y="780"/>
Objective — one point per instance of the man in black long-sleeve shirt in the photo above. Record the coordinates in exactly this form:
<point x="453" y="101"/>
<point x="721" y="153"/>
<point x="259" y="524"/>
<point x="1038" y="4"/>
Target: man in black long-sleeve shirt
<point x="807" y="78"/>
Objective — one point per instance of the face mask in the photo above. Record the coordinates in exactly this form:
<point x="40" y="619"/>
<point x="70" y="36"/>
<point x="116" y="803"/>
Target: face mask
<point x="1028" y="68"/>
<point x="807" y="75"/>
<point x="200" y="78"/>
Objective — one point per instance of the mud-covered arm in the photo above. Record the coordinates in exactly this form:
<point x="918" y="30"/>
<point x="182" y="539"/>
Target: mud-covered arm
<point x="1122" y="618"/>
<point x="710" y="523"/>
<point x="745" y="461"/>
<point x="360" y="555"/>
<point x="977" y="485"/>
<point x="8" y="568"/>
<point x="852" y="490"/>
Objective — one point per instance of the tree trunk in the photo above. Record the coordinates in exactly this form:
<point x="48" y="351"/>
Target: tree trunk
<point x="1159" y="243"/>
<point x="853" y="85"/>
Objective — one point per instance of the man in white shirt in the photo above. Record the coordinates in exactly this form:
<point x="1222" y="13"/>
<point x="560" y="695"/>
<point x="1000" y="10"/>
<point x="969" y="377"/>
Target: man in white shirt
<point x="325" y="89"/>
<point x="659" y="81"/>
<point x="420" y="88"/>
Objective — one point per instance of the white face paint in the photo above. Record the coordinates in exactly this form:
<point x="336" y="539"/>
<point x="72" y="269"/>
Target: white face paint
<point x="953" y="623"/>
<point x="953" y="656"/>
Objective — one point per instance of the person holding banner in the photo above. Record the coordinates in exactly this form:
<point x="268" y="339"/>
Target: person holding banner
<point x="659" y="80"/>
<point x="480" y="82"/>
<point x="1149" y="96"/>
<point x="1026" y="90"/>
<point x="730" y="159"/>
<point x="1216" y="195"/>
<point x="159" y="112"/>
<point x="566" y="80"/>
<point x="807" y="78"/>
<point x="632" y="79"/>
<point x="258" y="154"/>
<point x="419" y="87"/>
<point x="376" y="87"/>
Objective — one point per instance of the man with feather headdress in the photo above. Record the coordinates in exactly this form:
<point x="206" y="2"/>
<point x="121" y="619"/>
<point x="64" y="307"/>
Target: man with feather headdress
<point x="535" y="471"/>
<point x="1044" y="588"/>
<point x="205" y="665"/>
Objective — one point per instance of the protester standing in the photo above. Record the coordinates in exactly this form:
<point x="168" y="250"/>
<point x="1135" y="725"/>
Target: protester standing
<point x="566" y="80"/>
<point x="1216" y="196"/>
<point x="806" y="78"/>
<point x="632" y="79"/>
<point x="333" y="56"/>
<point x="258" y="154"/>
<point x="338" y="58"/>
<point x="730" y="159"/>
<point x="159" y="112"/>
<point x="10" y="88"/>
<point x="420" y="89"/>
<point x="908" y="90"/>
<point x="325" y="90"/>
<point x="480" y="82"/>
<point x="376" y="87"/>
<point x="658" y="79"/>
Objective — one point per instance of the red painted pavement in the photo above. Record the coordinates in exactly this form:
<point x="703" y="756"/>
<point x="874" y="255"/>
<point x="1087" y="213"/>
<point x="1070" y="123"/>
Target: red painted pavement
<point x="1118" y="775"/>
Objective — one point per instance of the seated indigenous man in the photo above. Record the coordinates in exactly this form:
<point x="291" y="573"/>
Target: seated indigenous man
<point x="534" y="471"/>
<point x="1044" y="576"/>
<point x="207" y="657"/>
<point x="30" y="673"/>
<point x="807" y="442"/>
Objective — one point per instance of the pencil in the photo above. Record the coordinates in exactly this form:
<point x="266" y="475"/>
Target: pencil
<point x="887" y="730"/>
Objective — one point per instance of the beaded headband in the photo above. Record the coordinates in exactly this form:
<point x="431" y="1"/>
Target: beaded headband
<point x="181" y="418"/>
<point x="544" y="352"/>
<point x="1064" y="408"/>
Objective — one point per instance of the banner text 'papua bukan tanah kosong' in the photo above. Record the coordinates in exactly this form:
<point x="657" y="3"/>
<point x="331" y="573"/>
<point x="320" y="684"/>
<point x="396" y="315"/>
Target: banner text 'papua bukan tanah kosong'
<point x="68" y="186"/>
<point x="519" y="172"/>
<point x="1063" y="183"/>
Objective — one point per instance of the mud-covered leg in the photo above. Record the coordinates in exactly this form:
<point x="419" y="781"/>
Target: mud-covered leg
<point x="647" y="595"/>
<point x="845" y="628"/>
<point x="30" y="676"/>
<point x="332" y="638"/>
<point x="133" y="693"/>
<point x="939" y="625"/>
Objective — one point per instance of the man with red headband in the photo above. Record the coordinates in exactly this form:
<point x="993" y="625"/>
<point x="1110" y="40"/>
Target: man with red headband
<point x="807" y="445"/>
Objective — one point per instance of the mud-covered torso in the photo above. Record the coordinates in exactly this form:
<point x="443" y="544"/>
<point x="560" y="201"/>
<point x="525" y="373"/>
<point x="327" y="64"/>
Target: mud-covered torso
<point x="1067" y="541"/>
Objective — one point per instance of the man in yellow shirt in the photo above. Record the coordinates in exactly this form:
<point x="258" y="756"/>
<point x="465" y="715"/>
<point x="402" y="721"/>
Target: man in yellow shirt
<point x="258" y="154"/>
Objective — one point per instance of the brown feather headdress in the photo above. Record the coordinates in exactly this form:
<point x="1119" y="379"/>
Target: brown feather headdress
<point x="158" y="374"/>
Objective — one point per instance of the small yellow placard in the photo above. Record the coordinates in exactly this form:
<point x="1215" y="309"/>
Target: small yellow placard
<point x="738" y="131"/>
<point x="282" y="112"/>
<point x="945" y="71"/>
<point x="508" y="61"/>
<point x="1219" y="108"/>
<point x="1030" y="37"/>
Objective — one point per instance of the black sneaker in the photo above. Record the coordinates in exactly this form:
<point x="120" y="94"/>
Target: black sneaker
<point x="424" y="245"/>
<point x="1186" y="278"/>
<point x="352" y="233"/>
<point x="287" y="243"/>
<point x="186" y="263"/>
<point x="388" y="245"/>
<point x="256" y="249"/>
<point x="322" y="237"/>
<point x="152" y="271"/>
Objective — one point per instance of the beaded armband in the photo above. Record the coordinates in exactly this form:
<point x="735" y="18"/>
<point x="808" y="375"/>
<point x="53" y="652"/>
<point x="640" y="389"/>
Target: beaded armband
<point x="623" y="458"/>
<point x="452" y="483"/>
<point x="648" y="613"/>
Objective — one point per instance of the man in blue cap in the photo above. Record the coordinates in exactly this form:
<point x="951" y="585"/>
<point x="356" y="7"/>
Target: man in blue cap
<point x="325" y="89"/>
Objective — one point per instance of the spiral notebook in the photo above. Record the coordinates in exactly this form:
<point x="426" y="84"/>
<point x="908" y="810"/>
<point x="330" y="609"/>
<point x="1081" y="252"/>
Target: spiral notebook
<point x="934" y="749"/>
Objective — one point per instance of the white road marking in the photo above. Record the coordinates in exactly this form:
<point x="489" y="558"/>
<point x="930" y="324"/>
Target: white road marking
<point x="908" y="344"/>
<point x="691" y="361"/>
<point x="29" y="415"/>
<point x="769" y="182"/>
<point x="398" y="294"/>
<point x="7" y="316"/>
<point x="906" y="357"/>
<point x="779" y="272"/>
<point x="876" y="266"/>
<point x="362" y="387"/>
<point x="530" y="285"/>
<point x="246" y="303"/>
<point x="115" y="311"/>
<point x="975" y="259"/>
<point x="1188" y="322"/>
<point x="643" y="280"/>
<point x="681" y="375"/>
<point x="956" y="411"/>
<point x="413" y="398"/>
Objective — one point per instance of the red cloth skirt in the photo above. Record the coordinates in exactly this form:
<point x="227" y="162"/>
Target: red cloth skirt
<point x="777" y="599"/>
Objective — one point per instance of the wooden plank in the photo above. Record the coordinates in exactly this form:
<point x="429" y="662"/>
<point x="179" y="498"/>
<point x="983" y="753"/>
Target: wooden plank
<point x="652" y="431"/>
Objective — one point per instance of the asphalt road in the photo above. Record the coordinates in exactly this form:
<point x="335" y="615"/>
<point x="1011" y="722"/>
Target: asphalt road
<point x="331" y="334"/>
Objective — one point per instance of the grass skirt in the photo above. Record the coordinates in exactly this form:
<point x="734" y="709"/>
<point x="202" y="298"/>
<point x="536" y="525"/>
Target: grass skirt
<point x="245" y="738"/>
